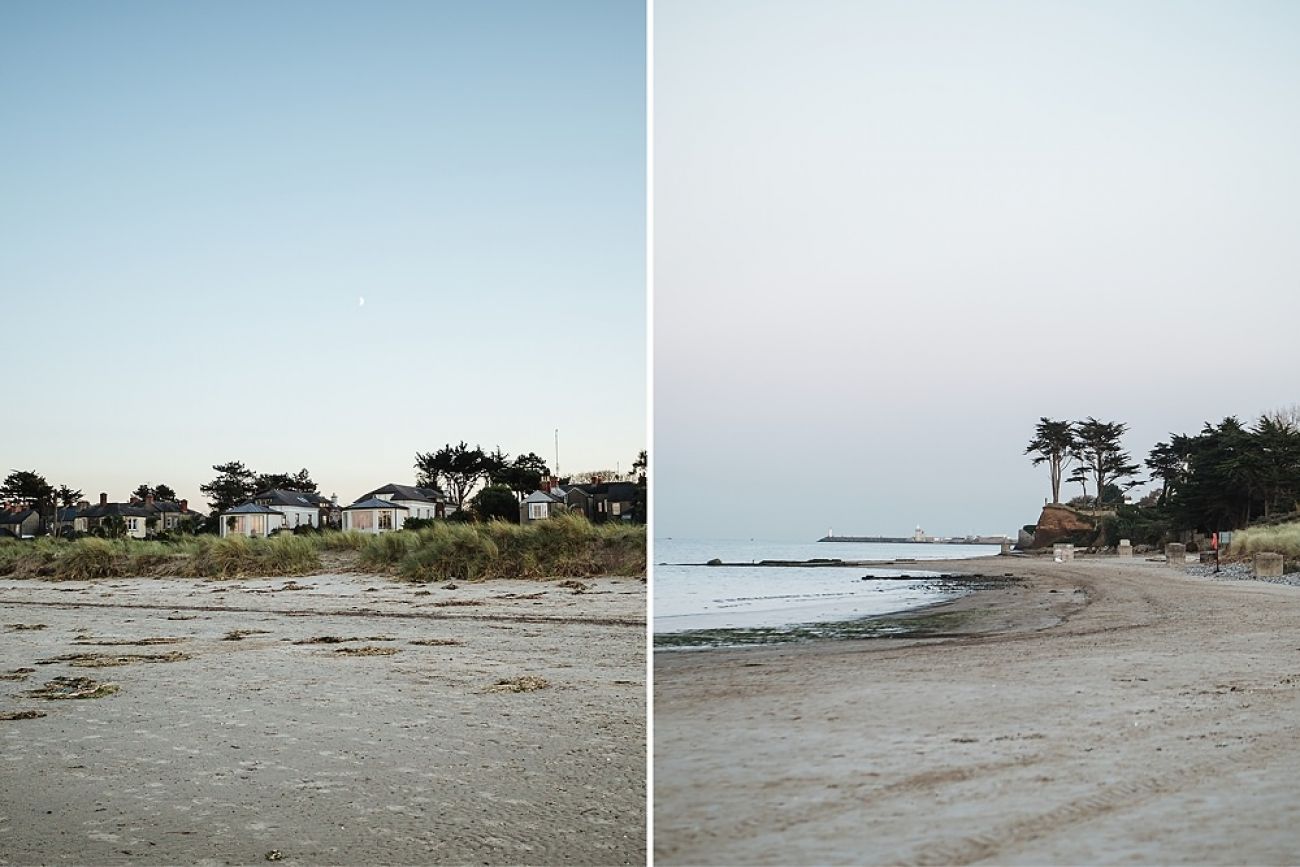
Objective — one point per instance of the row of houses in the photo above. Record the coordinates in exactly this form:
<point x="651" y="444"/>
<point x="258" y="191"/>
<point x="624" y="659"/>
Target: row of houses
<point x="377" y="511"/>
<point x="601" y="503"/>
<point x="381" y="510"/>
<point x="140" y="517"/>
<point x="388" y="508"/>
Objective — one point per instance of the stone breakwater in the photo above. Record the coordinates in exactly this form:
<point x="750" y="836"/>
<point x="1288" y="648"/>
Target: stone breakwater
<point x="1239" y="572"/>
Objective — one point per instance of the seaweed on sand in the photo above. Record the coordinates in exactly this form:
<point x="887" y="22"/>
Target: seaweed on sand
<point x="526" y="683"/>
<point x="127" y="642"/>
<point x="368" y="650"/>
<point x="936" y="625"/>
<point x="72" y="688"/>
<point x="335" y="639"/>
<point x="241" y="634"/>
<point x="108" y="660"/>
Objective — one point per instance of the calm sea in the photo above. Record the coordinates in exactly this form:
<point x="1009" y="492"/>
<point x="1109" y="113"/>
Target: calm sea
<point x="724" y="597"/>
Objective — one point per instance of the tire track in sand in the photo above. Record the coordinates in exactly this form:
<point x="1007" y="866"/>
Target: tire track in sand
<point x="1108" y="799"/>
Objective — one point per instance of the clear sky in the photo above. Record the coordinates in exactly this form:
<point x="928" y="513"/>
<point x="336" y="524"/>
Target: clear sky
<point x="891" y="235"/>
<point x="196" y="197"/>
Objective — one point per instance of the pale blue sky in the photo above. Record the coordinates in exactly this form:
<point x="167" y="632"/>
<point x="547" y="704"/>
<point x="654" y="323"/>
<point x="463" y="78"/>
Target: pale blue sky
<point x="197" y="195"/>
<point x="891" y="235"/>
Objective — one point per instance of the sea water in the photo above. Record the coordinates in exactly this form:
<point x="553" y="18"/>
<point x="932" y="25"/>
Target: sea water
<point x="691" y="597"/>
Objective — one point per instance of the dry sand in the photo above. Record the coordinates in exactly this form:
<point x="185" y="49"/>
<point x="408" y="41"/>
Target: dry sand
<point x="258" y="749"/>
<point x="1136" y="715"/>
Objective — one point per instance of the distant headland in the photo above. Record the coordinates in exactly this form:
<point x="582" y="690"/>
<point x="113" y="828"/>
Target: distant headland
<point x="919" y="538"/>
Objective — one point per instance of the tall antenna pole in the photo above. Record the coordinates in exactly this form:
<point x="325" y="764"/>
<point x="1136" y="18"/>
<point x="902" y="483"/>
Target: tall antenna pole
<point x="557" y="452"/>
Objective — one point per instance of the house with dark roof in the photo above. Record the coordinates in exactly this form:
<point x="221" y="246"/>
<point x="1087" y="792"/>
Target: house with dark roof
<point x="250" y="519"/>
<point x="614" y="501"/>
<point x="298" y="508"/>
<point x="134" y="517"/>
<point x="142" y="518"/>
<point x="19" y="522"/>
<point x="602" y="501"/>
<point x="374" y="515"/>
<point x="419" y="502"/>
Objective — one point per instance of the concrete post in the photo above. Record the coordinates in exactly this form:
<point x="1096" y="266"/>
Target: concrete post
<point x="1268" y="565"/>
<point x="1176" y="555"/>
<point x="1125" y="548"/>
<point x="1062" y="553"/>
<point x="1006" y="548"/>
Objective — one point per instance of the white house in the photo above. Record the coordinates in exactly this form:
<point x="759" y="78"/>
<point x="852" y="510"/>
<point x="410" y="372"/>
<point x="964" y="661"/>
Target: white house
<point x="250" y="519"/>
<point x="419" y="502"/>
<point x="374" y="515"/>
<point x="298" y="509"/>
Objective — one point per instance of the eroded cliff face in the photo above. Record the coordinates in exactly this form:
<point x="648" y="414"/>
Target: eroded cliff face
<point x="1058" y="523"/>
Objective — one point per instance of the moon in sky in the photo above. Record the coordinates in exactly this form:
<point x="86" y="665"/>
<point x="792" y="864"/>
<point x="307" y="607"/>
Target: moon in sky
<point x="361" y="301"/>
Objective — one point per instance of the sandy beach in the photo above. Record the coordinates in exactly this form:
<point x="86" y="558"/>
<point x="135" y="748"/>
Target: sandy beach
<point x="329" y="719"/>
<point x="1100" y="711"/>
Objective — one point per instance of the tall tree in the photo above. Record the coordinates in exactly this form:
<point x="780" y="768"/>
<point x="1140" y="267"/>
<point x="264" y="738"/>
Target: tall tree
<point x="233" y="484"/>
<point x="456" y="469"/>
<point x="1053" y="444"/>
<point x="1100" y="454"/>
<point x="1273" y="458"/>
<point x="30" y="488"/>
<point x="165" y="493"/>
<point x="67" y="497"/>
<point x="1168" y="463"/>
<point x="299" y="481"/>
<point x="495" y="503"/>
<point x="523" y="475"/>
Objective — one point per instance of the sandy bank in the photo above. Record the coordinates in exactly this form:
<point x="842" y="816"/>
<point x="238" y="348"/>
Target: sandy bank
<point x="406" y="753"/>
<point x="1134" y="714"/>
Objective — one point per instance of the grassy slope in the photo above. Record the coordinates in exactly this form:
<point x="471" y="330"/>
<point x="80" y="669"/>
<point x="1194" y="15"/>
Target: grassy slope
<point x="568" y="546"/>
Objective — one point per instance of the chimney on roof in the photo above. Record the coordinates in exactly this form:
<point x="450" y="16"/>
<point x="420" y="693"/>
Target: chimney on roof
<point x="103" y="499"/>
<point x="82" y="505"/>
<point x="185" y="505"/>
<point x="148" y="499"/>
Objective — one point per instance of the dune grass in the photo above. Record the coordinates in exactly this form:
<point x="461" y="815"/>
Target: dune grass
<point x="567" y="546"/>
<point x="1281" y="539"/>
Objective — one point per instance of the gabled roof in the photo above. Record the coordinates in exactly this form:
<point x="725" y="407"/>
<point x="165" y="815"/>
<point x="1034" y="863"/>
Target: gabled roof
<point x="280" y="497"/>
<point x="251" y="508"/>
<point x="375" y="503"/>
<point x="541" y="497"/>
<point x="123" y="510"/>
<point x="412" y="493"/>
<point x="16" y="517"/>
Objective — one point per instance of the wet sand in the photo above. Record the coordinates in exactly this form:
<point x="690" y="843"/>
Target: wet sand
<point x="1134" y="715"/>
<point x="244" y="751"/>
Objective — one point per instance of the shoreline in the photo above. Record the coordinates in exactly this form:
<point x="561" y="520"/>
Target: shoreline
<point x="929" y="618"/>
<point x="1103" y="710"/>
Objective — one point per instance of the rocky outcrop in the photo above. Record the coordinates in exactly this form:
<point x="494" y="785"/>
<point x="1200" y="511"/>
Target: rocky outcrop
<point x="1060" y="523"/>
